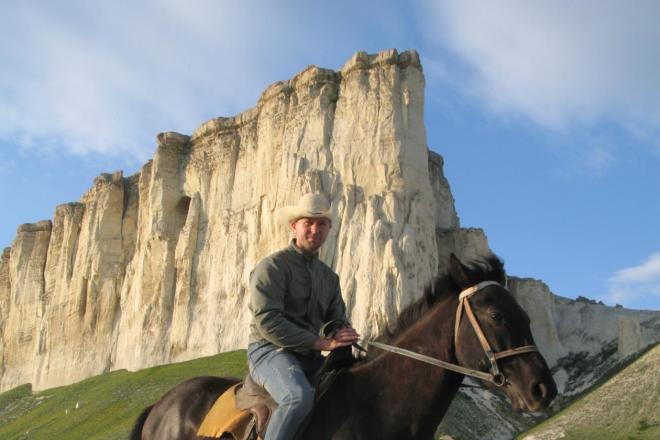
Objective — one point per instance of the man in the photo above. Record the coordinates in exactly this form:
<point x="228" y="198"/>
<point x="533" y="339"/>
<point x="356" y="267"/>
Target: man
<point x="292" y="295"/>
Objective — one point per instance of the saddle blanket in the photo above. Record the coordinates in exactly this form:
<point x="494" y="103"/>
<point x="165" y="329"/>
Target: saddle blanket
<point x="224" y="418"/>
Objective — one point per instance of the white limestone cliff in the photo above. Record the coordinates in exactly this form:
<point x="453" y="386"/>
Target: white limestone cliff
<point x="537" y="300"/>
<point x="581" y="338"/>
<point x="152" y="268"/>
<point x="588" y="326"/>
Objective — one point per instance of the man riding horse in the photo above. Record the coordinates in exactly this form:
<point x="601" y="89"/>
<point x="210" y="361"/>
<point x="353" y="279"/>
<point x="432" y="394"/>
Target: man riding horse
<point x="465" y="321"/>
<point x="293" y="296"/>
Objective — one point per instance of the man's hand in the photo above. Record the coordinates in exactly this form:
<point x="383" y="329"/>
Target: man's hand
<point x="341" y="338"/>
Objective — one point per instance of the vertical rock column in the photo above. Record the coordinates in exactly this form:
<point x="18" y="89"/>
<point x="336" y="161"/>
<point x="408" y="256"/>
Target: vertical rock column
<point x="386" y="250"/>
<point x="182" y="314"/>
<point x="22" y="337"/>
<point x="5" y="295"/>
<point x="84" y="277"/>
<point x="446" y="217"/>
<point x="147" y="297"/>
<point x="62" y="334"/>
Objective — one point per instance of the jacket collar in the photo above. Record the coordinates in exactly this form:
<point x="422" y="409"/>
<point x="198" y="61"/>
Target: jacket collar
<point x="308" y="256"/>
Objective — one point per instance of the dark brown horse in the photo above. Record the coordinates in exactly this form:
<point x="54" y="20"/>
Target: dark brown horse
<point x="390" y="396"/>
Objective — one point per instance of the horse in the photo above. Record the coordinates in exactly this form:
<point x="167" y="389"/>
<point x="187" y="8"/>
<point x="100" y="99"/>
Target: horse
<point x="466" y="320"/>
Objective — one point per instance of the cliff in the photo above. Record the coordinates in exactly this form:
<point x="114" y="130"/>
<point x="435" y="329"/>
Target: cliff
<point x="583" y="339"/>
<point x="152" y="268"/>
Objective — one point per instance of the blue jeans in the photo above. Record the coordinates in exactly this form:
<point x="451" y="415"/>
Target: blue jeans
<point x="285" y="375"/>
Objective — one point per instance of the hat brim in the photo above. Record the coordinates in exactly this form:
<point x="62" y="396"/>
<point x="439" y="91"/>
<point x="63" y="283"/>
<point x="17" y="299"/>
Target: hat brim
<point x="290" y="214"/>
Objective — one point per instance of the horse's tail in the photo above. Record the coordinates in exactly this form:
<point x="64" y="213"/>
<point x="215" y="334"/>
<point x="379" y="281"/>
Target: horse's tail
<point x="136" y="433"/>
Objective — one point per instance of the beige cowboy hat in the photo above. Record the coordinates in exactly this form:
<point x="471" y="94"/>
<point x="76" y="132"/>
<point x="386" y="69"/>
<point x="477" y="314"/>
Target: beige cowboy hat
<point x="312" y="205"/>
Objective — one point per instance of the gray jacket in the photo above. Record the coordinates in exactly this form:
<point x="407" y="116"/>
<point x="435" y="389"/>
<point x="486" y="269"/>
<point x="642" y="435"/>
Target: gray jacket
<point x="292" y="294"/>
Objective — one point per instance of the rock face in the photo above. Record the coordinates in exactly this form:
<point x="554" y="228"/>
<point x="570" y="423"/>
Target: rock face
<point x="535" y="297"/>
<point x="153" y="268"/>
<point x="564" y="328"/>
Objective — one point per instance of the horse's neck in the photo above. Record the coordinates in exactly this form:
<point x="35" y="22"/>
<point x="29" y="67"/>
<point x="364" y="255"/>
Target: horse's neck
<point x="411" y="393"/>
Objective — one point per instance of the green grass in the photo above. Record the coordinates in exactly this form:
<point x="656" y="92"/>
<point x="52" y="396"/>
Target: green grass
<point x="107" y="404"/>
<point x="625" y="407"/>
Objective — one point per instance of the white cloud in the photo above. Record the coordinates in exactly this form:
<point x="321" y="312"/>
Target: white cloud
<point x="561" y="63"/>
<point x="106" y="77"/>
<point x="638" y="284"/>
<point x="648" y="271"/>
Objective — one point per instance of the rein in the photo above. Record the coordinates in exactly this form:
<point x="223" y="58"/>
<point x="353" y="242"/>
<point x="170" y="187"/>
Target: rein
<point x="495" y="376"/>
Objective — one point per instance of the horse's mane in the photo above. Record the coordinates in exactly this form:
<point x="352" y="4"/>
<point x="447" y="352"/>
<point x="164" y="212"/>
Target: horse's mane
<point x="487" y="268"/>
<point x="483" y="269"/>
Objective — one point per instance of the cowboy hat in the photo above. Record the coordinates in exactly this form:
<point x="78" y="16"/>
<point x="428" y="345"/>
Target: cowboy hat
<point x="312" y="205"/>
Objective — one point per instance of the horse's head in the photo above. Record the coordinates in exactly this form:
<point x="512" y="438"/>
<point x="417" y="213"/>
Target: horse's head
<point x="521" y="371"/>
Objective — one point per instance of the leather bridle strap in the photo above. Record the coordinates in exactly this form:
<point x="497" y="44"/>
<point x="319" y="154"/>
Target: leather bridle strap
<point x="482" y="338"/>
<point x="433" y="361"/>
<point x="495" y="376"/>
<point x="516" y="351"/>
<point x="464" y="303"/>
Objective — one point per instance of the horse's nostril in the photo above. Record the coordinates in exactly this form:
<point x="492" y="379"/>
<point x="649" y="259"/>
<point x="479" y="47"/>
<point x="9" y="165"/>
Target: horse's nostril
<point x="540" y="391"/>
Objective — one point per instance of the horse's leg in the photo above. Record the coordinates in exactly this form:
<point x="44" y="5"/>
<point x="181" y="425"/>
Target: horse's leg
<point x="178" y="414"/>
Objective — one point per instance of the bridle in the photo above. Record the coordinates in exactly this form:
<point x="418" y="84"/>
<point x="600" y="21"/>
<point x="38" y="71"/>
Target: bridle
<point x="495" y="376"/>
<point x="464" y="304"/>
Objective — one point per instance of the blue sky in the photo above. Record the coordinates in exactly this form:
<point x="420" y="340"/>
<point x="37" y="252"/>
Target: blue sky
<point x="547" y="113"/>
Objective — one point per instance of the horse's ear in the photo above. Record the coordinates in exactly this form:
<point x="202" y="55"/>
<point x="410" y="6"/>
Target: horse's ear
<point x="458" y="272"/>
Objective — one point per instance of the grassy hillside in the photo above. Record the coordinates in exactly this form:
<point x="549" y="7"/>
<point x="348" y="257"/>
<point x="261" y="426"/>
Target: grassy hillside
<point x="102" y="407"/>
<point x="105" y="407"/>
<point x="625" y="407"/>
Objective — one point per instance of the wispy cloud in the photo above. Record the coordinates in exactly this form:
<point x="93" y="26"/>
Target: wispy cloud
<point x="90" y="77"/>
<point x="648" y="271"/>
<point x="561" y="64"/>
<point x="105" y="78"/>
<point x="637" y="285"/>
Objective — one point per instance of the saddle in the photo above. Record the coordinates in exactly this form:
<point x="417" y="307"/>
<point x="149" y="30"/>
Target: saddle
<point x="255" y="399"/>
<point x="243" y="411"/>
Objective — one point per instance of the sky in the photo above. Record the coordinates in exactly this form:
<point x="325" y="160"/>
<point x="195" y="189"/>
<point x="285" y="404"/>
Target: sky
<point x="547" y="113"/>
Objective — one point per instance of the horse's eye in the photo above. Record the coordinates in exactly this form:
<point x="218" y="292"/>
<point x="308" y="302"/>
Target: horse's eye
<point x="496" y="316"/>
